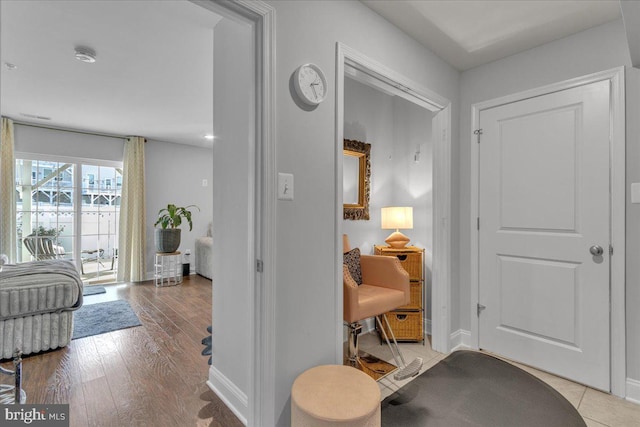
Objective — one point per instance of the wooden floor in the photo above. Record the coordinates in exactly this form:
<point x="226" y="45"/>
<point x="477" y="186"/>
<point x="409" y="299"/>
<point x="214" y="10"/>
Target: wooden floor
<point x="153" y="375"/>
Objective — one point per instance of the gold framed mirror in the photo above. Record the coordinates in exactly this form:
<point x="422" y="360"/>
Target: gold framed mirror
<point x="356" y="174"/>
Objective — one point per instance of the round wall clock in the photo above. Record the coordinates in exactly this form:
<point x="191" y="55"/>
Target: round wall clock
<point x="310" y="84"/>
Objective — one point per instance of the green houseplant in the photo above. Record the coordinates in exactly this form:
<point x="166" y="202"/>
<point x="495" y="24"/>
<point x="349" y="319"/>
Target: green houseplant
<point x="167" y="236"/>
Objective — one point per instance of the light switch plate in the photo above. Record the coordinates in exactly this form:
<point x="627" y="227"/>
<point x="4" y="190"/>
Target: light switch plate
<point x="285" y="186"/>
<point x="635" y="192"/>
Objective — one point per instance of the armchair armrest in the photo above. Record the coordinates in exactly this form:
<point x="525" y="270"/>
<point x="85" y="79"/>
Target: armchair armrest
<point x="386" y="272"/>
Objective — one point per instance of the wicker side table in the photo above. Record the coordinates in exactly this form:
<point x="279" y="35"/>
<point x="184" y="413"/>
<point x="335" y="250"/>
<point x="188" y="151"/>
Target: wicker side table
<point x="168" y="269"/>
<point x="407" y="321"/>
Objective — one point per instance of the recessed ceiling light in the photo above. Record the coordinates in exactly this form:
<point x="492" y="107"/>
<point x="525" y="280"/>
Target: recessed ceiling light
<point x="208" y="136"/>
<point x="85" y="54"/>
<point x="10" y="66"/>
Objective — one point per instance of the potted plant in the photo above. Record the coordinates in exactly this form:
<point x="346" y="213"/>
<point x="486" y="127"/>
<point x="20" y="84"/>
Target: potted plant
<point x="48" y="232"/>
<point x="167" y="237"/>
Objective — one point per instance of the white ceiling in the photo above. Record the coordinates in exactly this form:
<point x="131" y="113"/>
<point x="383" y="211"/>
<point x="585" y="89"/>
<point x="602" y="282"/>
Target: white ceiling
<point x="153" y="75"/>
<point x="470" y="33"/>
<point x="154" y="71"/>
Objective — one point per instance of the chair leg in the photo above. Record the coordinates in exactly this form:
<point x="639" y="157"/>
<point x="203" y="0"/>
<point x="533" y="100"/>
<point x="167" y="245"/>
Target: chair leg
<point x="365" y="362"/>
<point x="354" y="330"/>
<point x="13" y="394"/>
<point x="406" y="370"/>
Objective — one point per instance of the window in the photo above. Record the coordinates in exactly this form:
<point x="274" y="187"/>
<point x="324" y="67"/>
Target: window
<point x="74" y="206"/>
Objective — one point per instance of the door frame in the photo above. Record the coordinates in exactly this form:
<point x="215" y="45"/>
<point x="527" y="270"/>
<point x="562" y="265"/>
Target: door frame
<point x="441" y="278"/>
<point x="617" y="146"/>
<point x="260" y="397"/>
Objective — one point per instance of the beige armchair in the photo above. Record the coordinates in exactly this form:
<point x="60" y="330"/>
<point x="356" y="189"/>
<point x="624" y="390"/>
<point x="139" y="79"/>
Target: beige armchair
<point x="385" y="287"/>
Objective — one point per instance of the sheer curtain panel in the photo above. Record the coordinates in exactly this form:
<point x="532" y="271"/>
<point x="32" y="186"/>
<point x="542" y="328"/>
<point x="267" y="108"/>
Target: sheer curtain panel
<point x="131" y="251"/>
<point x="7" y="192"/>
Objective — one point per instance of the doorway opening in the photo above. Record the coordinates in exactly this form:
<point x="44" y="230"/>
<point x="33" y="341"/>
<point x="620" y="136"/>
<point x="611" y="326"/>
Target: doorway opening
<point x="422" y="179"/>
<point x="243" y="371"/>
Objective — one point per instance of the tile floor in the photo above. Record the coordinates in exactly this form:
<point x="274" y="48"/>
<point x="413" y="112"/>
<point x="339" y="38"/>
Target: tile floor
<point x="598" y="409"/>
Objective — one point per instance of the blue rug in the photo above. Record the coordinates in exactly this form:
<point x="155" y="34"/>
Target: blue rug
<point x="103" y="317"/>
<point x="93" y="290"/>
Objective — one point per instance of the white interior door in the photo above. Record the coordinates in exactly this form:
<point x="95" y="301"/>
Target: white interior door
<point x="544" y="208"/>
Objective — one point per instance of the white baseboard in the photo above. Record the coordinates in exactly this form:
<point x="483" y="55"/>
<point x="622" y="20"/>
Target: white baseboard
<point x="229" y="393"/>
<point x="427" y="326"/>
<point x="633" y="391"/>
<point x="460" y="339"/>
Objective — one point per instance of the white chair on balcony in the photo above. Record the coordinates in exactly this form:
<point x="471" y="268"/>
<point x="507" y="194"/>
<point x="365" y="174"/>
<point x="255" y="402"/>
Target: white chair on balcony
<point x="43" y="247"/>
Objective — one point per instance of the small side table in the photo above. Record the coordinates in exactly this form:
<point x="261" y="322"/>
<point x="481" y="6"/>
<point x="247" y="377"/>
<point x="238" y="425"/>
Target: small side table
<point x="168" y="269"/>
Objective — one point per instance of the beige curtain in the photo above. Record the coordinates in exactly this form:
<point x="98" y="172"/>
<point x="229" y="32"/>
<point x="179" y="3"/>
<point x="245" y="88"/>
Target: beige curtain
<point x="131" y="240"/>
<point x="7" y="192"/>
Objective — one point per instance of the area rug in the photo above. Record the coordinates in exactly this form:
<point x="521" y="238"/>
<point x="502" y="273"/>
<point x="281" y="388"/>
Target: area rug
<point x="93" y="290"/>
<point x="103" y="317"/>
<point x="469" y="388"/>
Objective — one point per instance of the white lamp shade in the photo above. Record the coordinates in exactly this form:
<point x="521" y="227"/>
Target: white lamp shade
<point x="395" y="218"/>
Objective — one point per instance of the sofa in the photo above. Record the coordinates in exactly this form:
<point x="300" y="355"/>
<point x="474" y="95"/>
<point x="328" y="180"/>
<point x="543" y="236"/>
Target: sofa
<point x="204" y="254"/>
<point x="37" y="300"/>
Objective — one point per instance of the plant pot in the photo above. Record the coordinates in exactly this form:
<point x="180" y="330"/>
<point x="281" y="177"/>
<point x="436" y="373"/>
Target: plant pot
<point x="167" y="240"/>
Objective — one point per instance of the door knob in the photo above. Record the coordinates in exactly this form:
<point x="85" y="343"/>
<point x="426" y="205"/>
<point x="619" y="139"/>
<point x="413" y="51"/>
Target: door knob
<point x="596" y="250"/>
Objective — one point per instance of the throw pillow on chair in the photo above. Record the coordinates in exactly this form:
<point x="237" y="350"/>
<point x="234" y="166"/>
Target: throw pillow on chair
<point x="352" y="261"/>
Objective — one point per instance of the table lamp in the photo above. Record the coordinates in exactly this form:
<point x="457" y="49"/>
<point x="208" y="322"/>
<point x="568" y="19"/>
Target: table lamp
<point x="395" y="217"/>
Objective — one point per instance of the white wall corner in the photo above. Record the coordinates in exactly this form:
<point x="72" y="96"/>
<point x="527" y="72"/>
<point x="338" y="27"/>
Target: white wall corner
<point x="459" y="340"/>
<point x="631" y="18"/>
<point x="427" y="326"/>
<point x="633" y="391"/>
<point x="229" y="393"/>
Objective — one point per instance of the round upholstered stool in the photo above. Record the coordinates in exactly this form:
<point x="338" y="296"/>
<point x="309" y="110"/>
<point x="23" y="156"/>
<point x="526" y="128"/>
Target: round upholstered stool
<point x="335" y="395"/>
